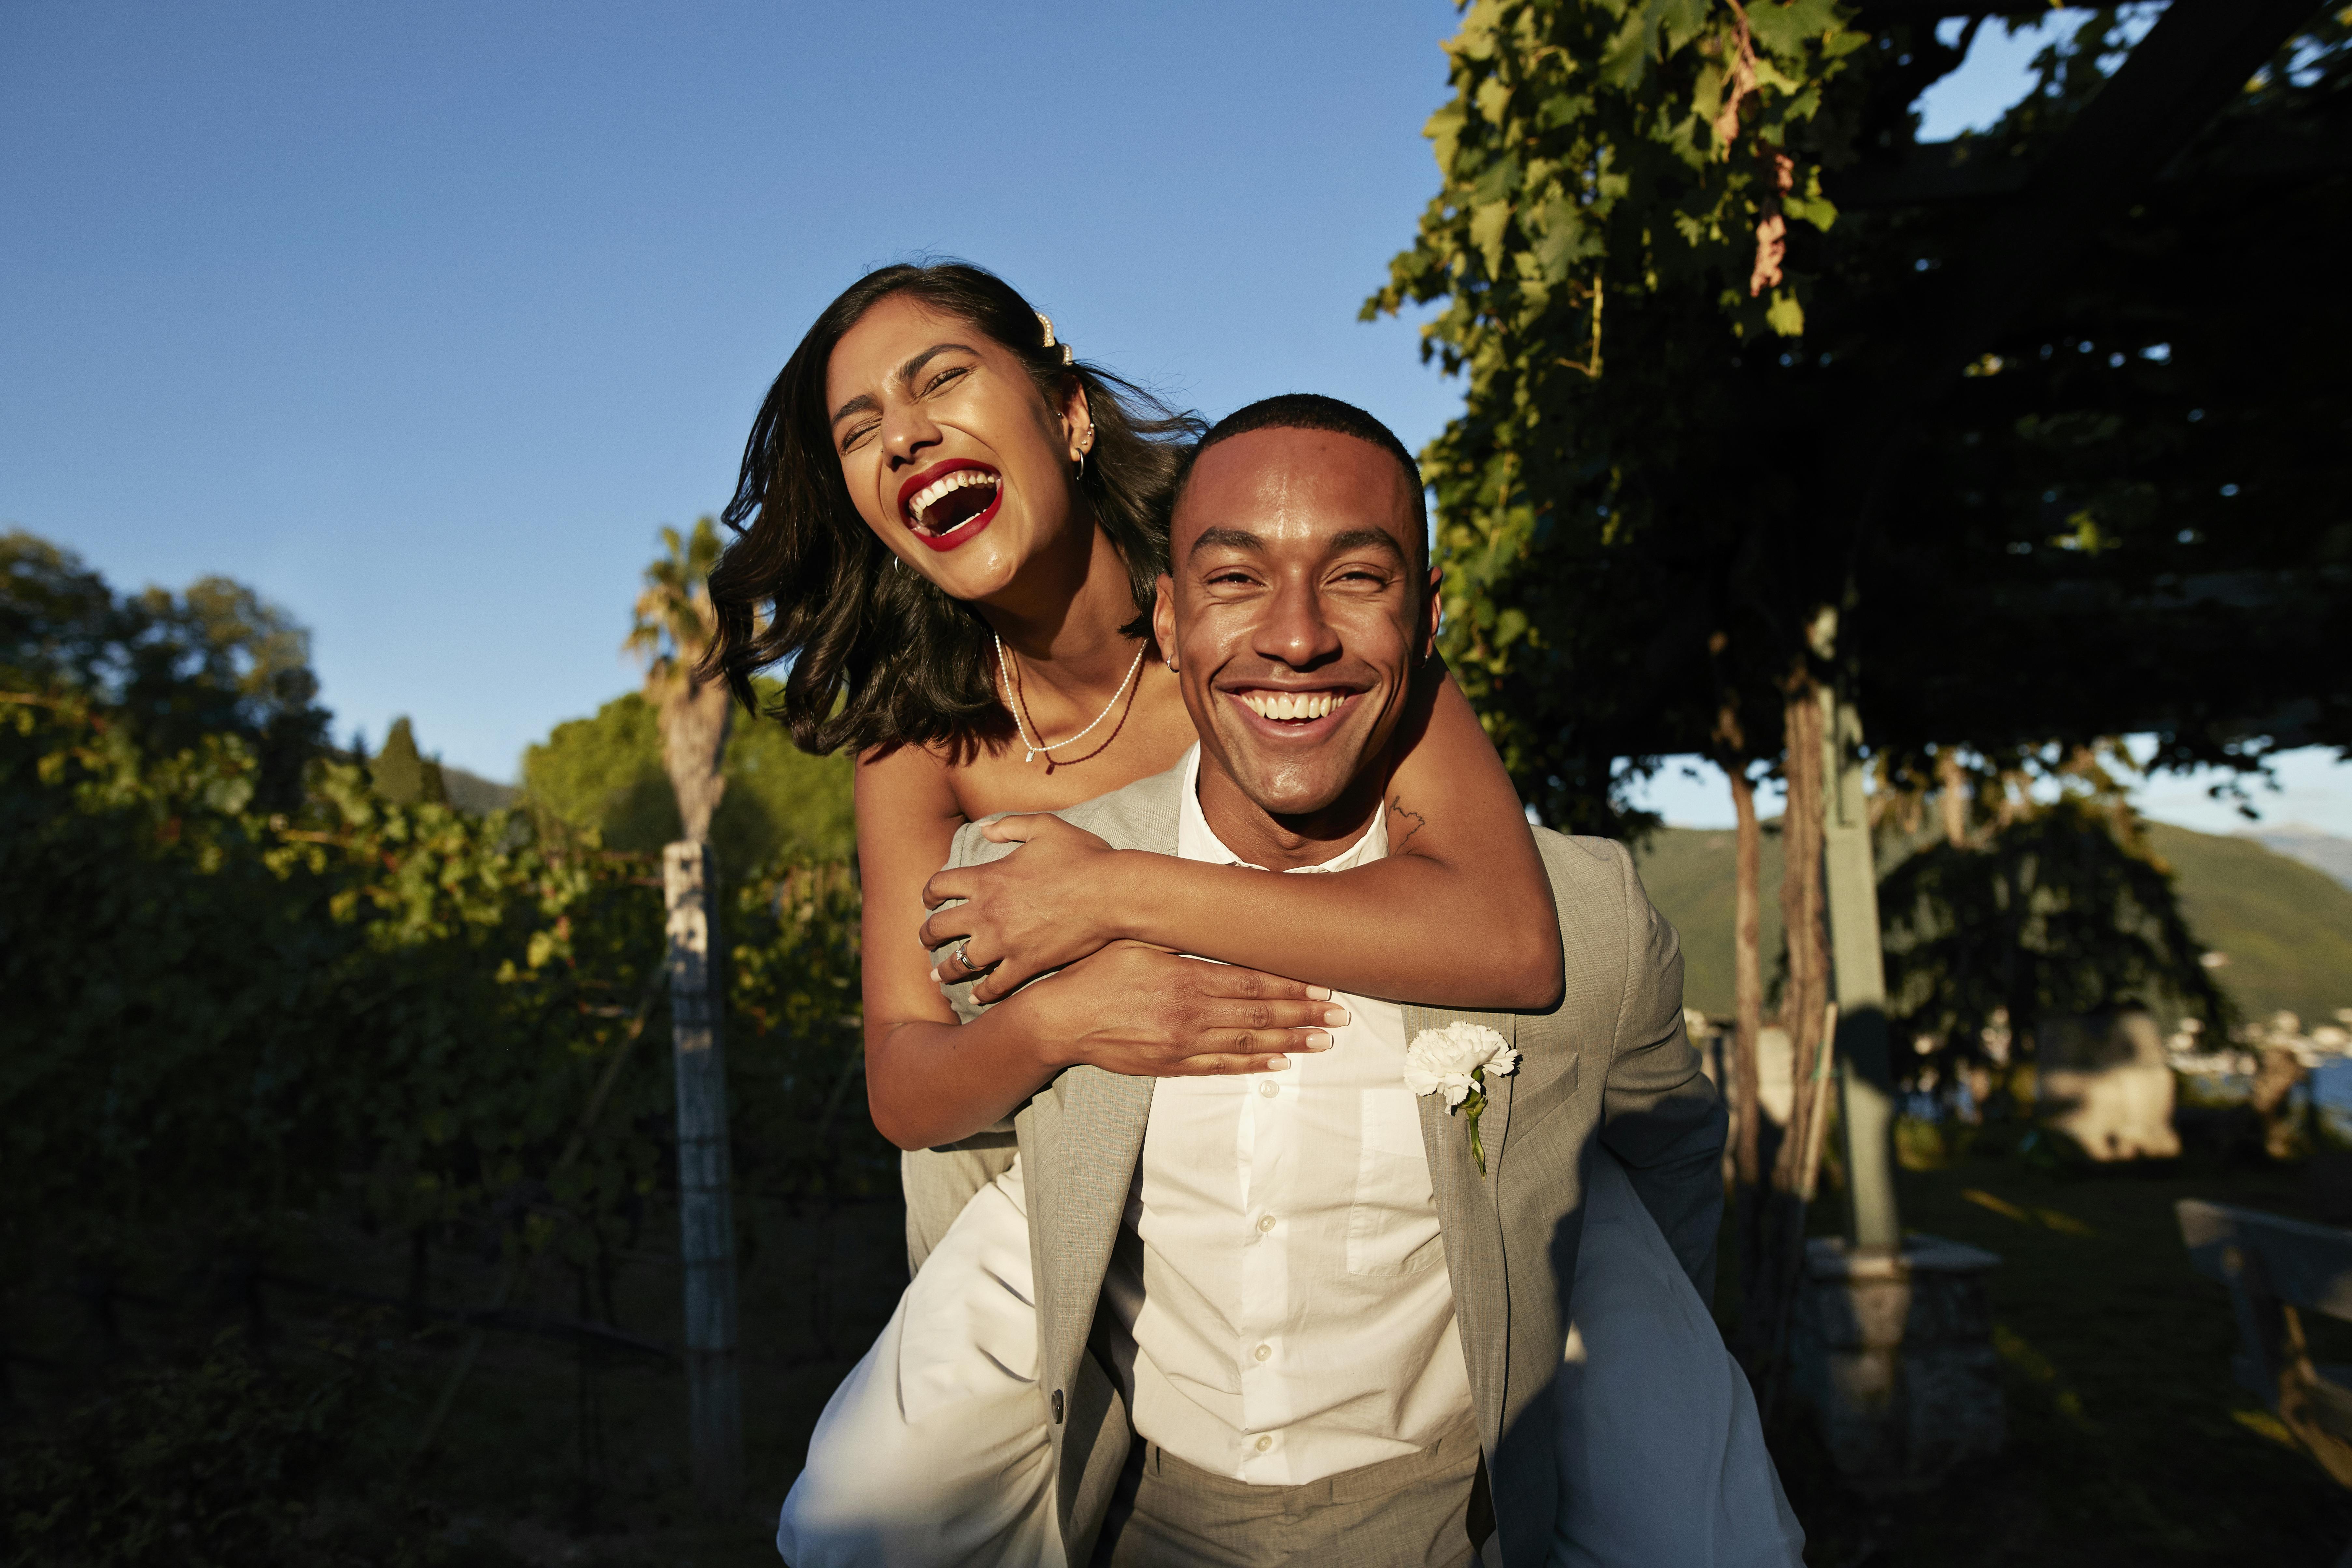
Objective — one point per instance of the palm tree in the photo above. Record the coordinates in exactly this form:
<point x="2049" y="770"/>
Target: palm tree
<point x="674" y="624"/>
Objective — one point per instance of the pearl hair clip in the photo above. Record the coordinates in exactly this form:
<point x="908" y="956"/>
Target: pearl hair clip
<point x="1048" y="321"/>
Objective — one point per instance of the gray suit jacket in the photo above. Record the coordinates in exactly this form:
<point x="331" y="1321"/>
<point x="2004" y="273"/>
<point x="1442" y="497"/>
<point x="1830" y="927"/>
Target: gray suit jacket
<point x="1610" y="1063"/>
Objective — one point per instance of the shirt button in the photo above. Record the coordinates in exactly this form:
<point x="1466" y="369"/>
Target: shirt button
<point x="1264" y="1351"/>
<point x="1268" y="1089"/>
<point x="1264" y="1443"/>
<point x="1266" y="1222"/>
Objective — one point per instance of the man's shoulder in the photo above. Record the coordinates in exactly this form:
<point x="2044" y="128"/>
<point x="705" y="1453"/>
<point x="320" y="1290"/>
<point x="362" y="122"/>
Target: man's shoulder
<point x="1596" y="885"/>
<point x="1141" y="816"/>
<point x="1585" y="865"/>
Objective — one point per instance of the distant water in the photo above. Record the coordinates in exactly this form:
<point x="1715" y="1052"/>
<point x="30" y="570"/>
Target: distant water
<point x="2331" y="1090"/>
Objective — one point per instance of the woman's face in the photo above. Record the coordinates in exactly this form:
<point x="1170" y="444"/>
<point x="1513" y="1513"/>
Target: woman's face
<point x="953" y="459"/>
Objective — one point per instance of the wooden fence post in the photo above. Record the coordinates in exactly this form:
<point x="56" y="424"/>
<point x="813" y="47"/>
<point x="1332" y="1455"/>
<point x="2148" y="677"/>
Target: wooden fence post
<point x="706" y="1209"/>
<point x="1864" y="1057"/>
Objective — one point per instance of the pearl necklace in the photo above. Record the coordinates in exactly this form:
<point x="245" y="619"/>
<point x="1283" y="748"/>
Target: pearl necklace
<point x="1004" y="677"/>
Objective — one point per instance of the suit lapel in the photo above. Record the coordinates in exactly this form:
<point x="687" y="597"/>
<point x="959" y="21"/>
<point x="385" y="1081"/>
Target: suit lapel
<point x="1469" y="1218"/>
<point x="1088" y="1135"/>
<point x="1083" y="1136"/>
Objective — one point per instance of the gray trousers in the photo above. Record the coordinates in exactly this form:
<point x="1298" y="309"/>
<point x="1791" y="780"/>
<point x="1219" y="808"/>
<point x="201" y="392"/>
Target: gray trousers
<point x="1416" y="1511"/>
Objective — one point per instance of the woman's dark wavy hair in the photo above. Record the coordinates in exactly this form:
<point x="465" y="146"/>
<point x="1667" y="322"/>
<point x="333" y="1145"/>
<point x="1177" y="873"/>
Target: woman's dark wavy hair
<point x="882" y="656"/>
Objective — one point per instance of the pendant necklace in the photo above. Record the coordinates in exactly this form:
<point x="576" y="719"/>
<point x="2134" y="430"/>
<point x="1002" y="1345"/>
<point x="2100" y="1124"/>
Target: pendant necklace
<point x="1012" y="700"/>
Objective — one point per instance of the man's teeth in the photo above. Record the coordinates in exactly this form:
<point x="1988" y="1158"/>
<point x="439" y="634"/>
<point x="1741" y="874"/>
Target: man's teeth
<point x="930" y="493"/>
<point x="1288" y="704"/>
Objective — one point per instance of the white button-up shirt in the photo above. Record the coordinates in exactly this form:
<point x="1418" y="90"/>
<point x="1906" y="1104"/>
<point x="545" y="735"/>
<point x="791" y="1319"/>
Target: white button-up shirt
<point x="1280" y="1281"/>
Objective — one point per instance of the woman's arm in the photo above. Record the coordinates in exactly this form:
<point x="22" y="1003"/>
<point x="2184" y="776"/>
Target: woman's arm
<point x="1128" y="1009"/>
<point x="1459" y="914"/>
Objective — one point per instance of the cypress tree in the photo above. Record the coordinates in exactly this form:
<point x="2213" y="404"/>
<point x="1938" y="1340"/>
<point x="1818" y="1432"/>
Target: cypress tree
<point x="403" y="775"/>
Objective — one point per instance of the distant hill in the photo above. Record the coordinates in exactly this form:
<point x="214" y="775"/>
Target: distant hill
<point x="2285" y="927"/>
<point x="1689" y="873"/>
<point x="472" y="792"/>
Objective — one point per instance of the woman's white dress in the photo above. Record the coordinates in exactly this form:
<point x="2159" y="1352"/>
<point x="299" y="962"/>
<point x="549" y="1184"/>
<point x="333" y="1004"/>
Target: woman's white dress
<point x="934" y="1451"/>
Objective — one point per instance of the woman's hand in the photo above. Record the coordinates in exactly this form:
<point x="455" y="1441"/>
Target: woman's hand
<point x="1046" y="904"/>
<point x="1145" y="1013"/>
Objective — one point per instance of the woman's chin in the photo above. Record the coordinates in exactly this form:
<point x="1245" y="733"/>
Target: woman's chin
<point x="978" y="570"/>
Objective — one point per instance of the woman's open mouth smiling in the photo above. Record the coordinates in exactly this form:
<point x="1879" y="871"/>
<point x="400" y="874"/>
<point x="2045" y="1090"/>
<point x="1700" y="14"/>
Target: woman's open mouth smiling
<point x="948" y="504"/>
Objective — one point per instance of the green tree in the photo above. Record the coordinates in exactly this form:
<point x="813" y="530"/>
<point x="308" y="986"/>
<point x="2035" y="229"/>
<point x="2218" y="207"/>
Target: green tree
<point x="2049" y="909"/>
<point x="604" y="772"/>
<point x="675" y="622"/>
<point x="401" y="774"/>
<point x="1713" y="301"/>
<point x="171" y="668"/>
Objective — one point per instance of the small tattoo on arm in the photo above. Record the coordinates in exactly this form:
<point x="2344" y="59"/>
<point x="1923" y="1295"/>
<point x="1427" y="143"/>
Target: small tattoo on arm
<point x="1418" y="821"/>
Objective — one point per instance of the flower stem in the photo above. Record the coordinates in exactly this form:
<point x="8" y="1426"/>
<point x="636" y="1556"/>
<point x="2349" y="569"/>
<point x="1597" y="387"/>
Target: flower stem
<point x="1472" y="1104"/>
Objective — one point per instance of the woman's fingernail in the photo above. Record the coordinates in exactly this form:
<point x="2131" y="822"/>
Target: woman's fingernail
<point x="1276" y="1063"/>
<point x="1334" y="1015"/>
<point x="1315" y="1039"/>
<point x="1319" y="993"/>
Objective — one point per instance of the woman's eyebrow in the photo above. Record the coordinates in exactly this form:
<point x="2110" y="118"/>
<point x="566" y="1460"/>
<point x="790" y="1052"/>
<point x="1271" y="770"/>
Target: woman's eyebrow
<point x="914" y="366"/>
<point x="866" y="402"/>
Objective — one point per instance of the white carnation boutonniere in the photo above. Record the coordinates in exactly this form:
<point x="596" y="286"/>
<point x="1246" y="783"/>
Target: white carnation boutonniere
<point x="1454" y="1062"/>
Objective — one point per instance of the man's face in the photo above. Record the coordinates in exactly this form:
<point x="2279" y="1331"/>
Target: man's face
<point x="1294" y="612"/>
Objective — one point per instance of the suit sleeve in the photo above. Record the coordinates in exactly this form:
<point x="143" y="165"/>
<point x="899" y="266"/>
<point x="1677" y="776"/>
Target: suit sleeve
<point x="1661" y="1115"/>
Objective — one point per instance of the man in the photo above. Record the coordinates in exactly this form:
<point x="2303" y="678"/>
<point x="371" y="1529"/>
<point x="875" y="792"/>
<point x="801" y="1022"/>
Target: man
<point x="1326" y="1323"/>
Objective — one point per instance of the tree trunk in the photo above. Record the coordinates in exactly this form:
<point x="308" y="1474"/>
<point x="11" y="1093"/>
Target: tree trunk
<point x="1748" y="1026"/>
<point x="1806" y="994"/>
<point x="705" y="1197"/>
<point x="1747" y="985"/>
<point x="695" y="719"/>
<point x="1952" y="796"/>
<point x="1779" y="1232"/>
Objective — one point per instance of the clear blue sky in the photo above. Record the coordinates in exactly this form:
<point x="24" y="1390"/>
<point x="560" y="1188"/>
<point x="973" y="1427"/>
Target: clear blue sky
<point x="422" y="319"/>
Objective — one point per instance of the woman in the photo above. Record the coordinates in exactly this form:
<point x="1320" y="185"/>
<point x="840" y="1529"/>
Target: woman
<point x="959" y="527"/>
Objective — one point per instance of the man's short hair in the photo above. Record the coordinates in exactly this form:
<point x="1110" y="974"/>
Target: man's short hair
<point x="1313" y="411"/>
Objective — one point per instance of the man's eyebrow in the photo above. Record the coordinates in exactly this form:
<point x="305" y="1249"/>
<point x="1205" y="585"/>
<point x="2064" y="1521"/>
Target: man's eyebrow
<point x="1358" y="538"/>
<point x="1341" y="542"/>
<point x="1225" y="538"/>
<point x="865" y="403"/>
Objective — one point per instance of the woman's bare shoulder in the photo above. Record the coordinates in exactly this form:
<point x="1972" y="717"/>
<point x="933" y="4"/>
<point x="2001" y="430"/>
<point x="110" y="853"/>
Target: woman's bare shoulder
<point x="902" y="791"/>
<point x="911" y="776"/>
